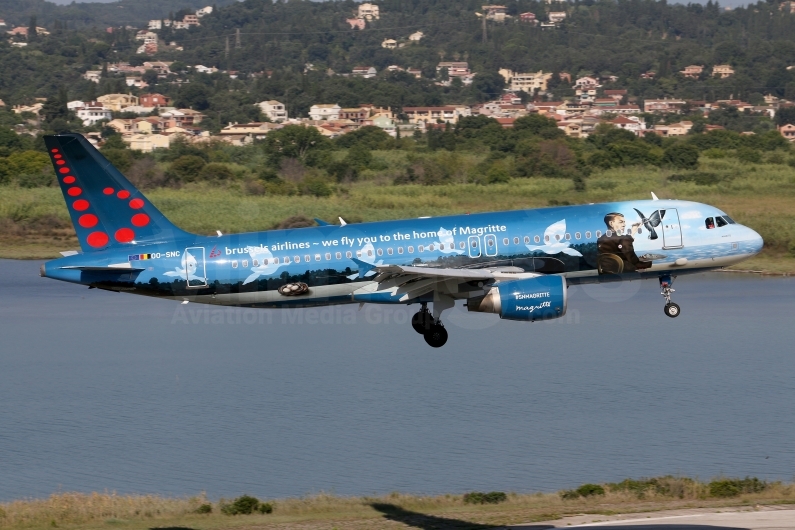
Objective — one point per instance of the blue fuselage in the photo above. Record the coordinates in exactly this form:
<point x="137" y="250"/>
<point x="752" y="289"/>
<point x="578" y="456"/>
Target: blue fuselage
<point x="574" y="241"/>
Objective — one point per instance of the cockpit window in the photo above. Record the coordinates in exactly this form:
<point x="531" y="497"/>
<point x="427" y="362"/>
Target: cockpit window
<point x="710" y="222"/>
<point x="729" y="220"/>
<point x="721" y="221"/>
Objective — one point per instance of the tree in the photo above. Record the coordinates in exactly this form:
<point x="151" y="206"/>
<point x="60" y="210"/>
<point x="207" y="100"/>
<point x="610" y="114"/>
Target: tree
<point x="150" y="77"/>
<point x="186" y="168"/>
<point x="681" y="156"/>
<point x="32" y="31"/>
<point x="294" y="141"/>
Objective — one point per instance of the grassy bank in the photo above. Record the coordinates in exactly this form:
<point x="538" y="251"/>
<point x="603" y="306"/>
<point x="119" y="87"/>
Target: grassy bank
<point x="138" y="512"/>
<point x="34" y="222"/>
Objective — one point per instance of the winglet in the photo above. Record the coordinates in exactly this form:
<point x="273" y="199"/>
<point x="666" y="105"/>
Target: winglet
<point x="364" y="267"/>
<point x="321" y="222"/>
<point x="342" y="222"/>
<point x="654" y="197"/>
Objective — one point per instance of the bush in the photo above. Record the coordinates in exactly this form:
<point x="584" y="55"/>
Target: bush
<point x="205" y="508"/>
<point x="216" y="171"/>
<point x="749" y="155"/>
<point x="714" y="153"/>
<point x="246" y="505"/>
<point x="588" y="490"/>
<point x="186" y="168"/>
<point x="681" y="156"/>
<point x="733" y="487"/>
<point x="701" y="178"/>
<point x="569" y="495"/>
<point x="477" y="497"/>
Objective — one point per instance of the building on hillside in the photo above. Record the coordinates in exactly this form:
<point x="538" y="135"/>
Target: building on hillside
<point x="161" y="67"/>
<point x="722" y="70"/>
<point x="22" y="31"/>
<point x="155" y="24"/>
<point x="154" y="100"/>
<point x="364" y="71"/>
<point x="356" y="23"/>
<point x="495" y="13"/>
<point x="274" y="110"/>
<point x="255" y="130"/>
<point x="116" y="102"/>
<point x="191" y="20"/>
<point x="587" y="83"/>
<point x="662" y="106"/>
<point x="633" y="124"/>
<point x="325" y="112"/>
<point x="389" y="44"/>
<point x="556" y="17"/>
<point x="693" y="71"/>
<point x="93" y="112"/>
<point x="416" y="72"/>
<point x="416" y="115"/>
<point x="368" y="11"/>
<point x="146" y="36"/>
<point x="135" y="81"/>
<point x="416" y="36"/>
<point x="674" y="129"/>
<point x="200" y="68"/>
<point x="788" y="131"/>
<point x="93" y="75"/>
<point x="616" y="94"/>
<point x="356" y="115"/>
<point x="146" y="142"/>
<point x="183" y="117"/>
<point x="528" y="18"/>
<point x="204" y="11"/>
<point x="454" y="68"/>
<point x="528" y="82"/>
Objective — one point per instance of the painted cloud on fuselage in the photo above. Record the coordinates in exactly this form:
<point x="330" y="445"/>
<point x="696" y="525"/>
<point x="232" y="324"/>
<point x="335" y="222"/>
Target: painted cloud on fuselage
<point x="188" y="270"/>
<point x="555" y="241"/>
<point x="263" y="256"/>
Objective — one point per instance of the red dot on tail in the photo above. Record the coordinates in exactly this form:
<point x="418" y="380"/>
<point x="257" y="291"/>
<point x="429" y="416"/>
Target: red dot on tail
<point x="57" y="156"/>
<point x="88" y="220"/>
<point x="136" y="204"/>
<point x="64" y="170"/>
<point x="140" y="219"/>
<point x="60" y="162"/>
<point x="123" y="194"/>
<point x="124" y="235"/>
<point x="54" y="150"/>
<point x="69" y="180"/>
<point x="74" y="192"/>
<point x="108" y="191"/>
<point x="80" y="205"/>
<point x="97" y="239"/>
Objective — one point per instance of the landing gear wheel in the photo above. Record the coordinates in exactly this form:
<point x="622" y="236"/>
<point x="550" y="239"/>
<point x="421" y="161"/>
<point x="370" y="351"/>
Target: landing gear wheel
<point x="672" y="310"/>
<point x="436" y="336"/>
<point x="422" y="321"/>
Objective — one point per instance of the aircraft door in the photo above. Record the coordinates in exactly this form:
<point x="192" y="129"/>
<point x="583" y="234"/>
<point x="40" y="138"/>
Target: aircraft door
<point x="474" y="246"/>
<point x="491" y="244"/>
<point x="195" y="267"/>
<point x="671" y="229"/>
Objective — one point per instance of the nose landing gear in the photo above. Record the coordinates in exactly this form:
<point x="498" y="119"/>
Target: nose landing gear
<point x="671" y="309"/>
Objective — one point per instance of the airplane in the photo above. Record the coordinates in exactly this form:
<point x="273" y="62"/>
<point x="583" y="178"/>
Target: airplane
<point x="516" y="264"/>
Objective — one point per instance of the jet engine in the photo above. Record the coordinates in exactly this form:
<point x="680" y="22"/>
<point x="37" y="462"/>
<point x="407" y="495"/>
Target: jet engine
<point x="539" y="298"/>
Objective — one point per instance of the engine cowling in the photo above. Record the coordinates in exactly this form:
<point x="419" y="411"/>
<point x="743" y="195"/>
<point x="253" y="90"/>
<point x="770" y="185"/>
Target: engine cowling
<point x="529" y="299"/>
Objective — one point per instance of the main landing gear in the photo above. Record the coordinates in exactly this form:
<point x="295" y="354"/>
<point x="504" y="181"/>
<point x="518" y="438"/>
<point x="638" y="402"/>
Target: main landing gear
<point x="429" y="327"/>
<point x="671" y="309"/>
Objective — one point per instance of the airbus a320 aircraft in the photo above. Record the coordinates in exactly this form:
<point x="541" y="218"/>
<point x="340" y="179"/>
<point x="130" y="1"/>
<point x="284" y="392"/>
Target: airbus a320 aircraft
<point x="516" y="264"/>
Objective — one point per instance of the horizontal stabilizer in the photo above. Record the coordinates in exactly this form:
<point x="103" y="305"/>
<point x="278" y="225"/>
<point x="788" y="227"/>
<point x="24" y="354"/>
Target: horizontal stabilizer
<point x="364" y="267"/>
<point x="321" y="222"/>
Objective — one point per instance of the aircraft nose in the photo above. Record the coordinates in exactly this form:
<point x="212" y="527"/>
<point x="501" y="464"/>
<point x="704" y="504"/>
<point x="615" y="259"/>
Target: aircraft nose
<point x="754" y="239"/>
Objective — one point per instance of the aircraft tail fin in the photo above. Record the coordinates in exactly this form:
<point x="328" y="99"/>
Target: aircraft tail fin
<point x="107" y="211"/>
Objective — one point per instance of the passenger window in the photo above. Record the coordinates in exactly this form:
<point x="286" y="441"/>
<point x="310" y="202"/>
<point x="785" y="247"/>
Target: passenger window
<point x="328" y="256"/>
<point x="568" y="236"/>
<point x="307" y="258"/>
<point x="490" y="242"/>
<point x="516" y="241"/>
<point x="358" y="253"/>
<point x="608" y="233"/>
<point x="577" y="235"/>
<point x="255" y="263"/>
<point x="441" y="246"/>
<point x="234" y="263"/>
<point x="598" y="233"/>
<point x="474" y="243"/>
<point x="537" y="239"/>
<point x="317" y="257"/>
<point x="370" y="253"/>
<point x="264" y="262"/>
<point x="526" y="240"/>
<point x="505" y="241"/>
<point x="640" y="230"/>
<point x="721" y="221"/>
<point x="389" y="251"/>
<point x="400" y="250"/>
<point x="338" y="255"/>
<point x="245" y="263"/>
<point x="431" y="248"/>
<point x="411" y="249"/>
<point x="287" y="259"/>
<point x="297" y="259"/>
<point x="546" y="239"/>
<point x="710" y="222"/>
<point x="380" y="252"/>
<point x="588" y="235"/>
<point x="348" y="254"/>
<point x="275" y="261"/>
<point x="462" y="245"/>
<point x="421" y="248"/>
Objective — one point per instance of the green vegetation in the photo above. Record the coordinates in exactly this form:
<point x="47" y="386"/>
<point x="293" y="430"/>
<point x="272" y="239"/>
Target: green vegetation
<point x="478" y="497"/>
<point x="94" y="511"/>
